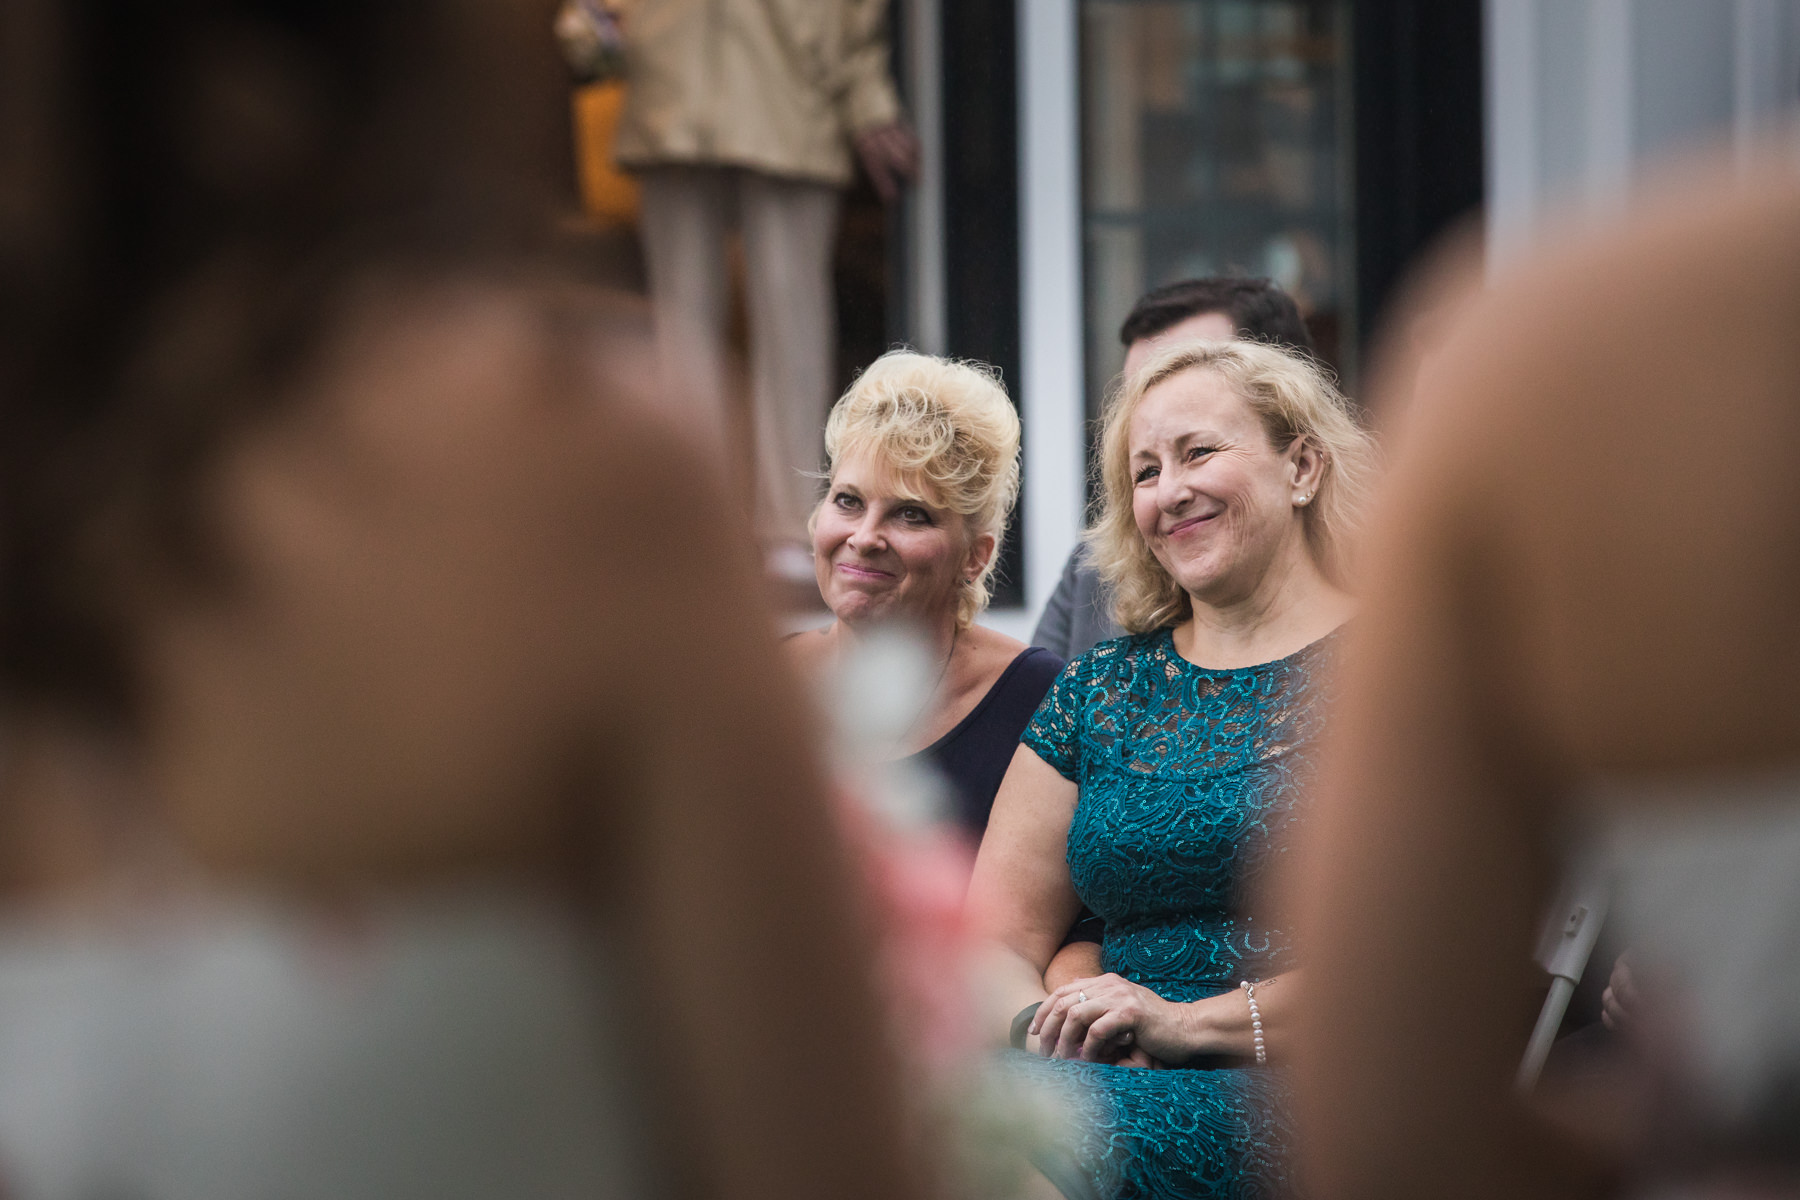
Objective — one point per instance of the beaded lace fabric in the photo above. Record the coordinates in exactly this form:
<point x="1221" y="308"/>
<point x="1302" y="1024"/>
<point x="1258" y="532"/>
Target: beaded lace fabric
<point x="1190" y="785"/>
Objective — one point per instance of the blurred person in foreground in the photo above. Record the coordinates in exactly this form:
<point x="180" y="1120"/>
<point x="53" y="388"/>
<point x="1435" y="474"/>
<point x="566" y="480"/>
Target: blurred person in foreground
<point x="353" y="716"/>
<point x="755" y="112"/>
<point x="1158" y="783"/>
<point x="1580" y="628"/>
<point x="924" y="473"/>
<point x="1078" y="616"/>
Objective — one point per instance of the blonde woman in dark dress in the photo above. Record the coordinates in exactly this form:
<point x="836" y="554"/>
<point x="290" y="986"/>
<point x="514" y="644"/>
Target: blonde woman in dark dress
<point x="924" y="473"/>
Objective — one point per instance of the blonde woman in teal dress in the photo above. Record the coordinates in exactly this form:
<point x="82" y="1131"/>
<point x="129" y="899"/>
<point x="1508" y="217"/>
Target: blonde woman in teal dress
<point x="1159" y="781"/>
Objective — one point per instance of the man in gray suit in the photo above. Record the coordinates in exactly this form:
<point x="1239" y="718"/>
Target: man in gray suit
<point x="1078" y="614"/>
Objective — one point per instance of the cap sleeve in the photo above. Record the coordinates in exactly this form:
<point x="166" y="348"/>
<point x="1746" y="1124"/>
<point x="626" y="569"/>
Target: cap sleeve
<point x="1054" y="733"/>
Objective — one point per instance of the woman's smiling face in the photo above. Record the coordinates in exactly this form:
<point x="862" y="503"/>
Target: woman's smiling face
<point x="1212" y="496"/>
<point x="883" y="550"/>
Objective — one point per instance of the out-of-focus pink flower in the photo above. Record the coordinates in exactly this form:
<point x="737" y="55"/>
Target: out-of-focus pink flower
<point x="919" y="879"/>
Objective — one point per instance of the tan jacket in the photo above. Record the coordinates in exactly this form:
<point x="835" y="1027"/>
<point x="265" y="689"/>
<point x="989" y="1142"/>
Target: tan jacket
<point x="778" y="86"/>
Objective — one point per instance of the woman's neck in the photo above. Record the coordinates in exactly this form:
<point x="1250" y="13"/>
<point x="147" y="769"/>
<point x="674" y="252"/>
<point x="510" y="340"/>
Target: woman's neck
<point x="1292" y="606"/>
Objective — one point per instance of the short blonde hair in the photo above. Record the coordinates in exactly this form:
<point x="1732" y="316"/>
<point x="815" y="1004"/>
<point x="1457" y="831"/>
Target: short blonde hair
<point x="1295" y="400"/>
<point x="945" y="425"/>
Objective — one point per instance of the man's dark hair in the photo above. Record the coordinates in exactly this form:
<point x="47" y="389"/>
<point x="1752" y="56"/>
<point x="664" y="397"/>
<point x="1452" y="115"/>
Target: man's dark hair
<point x="1258" y="307"/>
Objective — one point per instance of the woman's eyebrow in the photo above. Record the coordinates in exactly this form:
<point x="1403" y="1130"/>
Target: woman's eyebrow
<point x="900" y="499"/>
<point x="901" y="494"/>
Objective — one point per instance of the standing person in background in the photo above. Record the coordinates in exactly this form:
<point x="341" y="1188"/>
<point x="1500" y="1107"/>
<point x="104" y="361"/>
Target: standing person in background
<point x="1078" y="616"/>
<point x="758" y="110"/>
<point x="1580" y="619"/>
<point x="353" y="717"/>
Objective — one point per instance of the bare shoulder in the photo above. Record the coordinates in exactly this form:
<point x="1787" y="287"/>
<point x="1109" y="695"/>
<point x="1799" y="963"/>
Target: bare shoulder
<point x="991" y="651"/>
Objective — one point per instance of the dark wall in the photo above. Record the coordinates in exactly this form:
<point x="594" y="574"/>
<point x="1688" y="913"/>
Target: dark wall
<point x="1418" y="117"/>
<point x="981" y="201"/>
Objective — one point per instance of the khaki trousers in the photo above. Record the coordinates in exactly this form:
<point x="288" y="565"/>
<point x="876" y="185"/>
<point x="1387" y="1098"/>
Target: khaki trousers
<point x="789" y="231"/>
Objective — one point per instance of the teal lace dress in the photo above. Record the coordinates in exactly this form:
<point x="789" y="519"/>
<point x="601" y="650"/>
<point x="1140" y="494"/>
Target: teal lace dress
<point x="1190" y="784"/>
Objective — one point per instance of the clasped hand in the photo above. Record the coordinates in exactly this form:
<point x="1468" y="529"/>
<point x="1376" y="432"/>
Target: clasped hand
<point x="1110" y="1019"/>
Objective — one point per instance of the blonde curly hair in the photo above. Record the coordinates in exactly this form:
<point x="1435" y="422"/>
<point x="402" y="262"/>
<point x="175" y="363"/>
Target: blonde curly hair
<point x="1294" y="399"/>
<point x="946" y="427"/>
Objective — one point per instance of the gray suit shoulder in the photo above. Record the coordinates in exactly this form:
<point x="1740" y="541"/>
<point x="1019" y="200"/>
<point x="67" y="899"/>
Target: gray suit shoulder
<point x="1078" y="614"/>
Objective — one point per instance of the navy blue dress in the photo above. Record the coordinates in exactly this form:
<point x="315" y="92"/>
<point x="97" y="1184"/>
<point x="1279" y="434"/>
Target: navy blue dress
<point x="1191" y="781"/>
<point x="974" y="756"/>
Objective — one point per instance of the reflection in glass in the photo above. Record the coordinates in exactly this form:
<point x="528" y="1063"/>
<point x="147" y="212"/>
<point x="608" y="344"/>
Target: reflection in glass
<point x="1214" y="142"/>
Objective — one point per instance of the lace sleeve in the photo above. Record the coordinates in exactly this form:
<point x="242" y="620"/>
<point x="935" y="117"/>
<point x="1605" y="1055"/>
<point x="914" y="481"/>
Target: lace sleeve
<point x="1055" y="729"/>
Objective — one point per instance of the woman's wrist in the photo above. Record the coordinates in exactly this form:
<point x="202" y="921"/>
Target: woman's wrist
<point x="1217" y="1025"/>
<point x="1258" y="1047"/>
<point x="1197" y="1026"/>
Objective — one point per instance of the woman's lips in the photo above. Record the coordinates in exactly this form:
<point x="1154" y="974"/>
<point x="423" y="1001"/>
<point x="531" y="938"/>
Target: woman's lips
<point x="1183" y="526"/>
<point x="857" y="572"/>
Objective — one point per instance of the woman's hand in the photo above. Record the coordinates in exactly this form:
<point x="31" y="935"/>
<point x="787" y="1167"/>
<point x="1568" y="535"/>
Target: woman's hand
<point x="1110" y="1019"/>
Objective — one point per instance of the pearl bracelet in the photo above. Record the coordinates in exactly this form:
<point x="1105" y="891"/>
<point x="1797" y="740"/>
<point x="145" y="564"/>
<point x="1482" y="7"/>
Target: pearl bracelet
<point x="1256" y="1030"/>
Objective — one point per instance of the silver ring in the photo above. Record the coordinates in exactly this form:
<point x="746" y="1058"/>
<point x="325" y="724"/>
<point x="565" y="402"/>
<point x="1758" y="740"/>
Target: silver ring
<point x="1081" y="996"/>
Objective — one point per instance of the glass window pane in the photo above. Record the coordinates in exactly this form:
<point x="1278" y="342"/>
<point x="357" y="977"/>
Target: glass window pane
<point x="1214" y="141"/>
